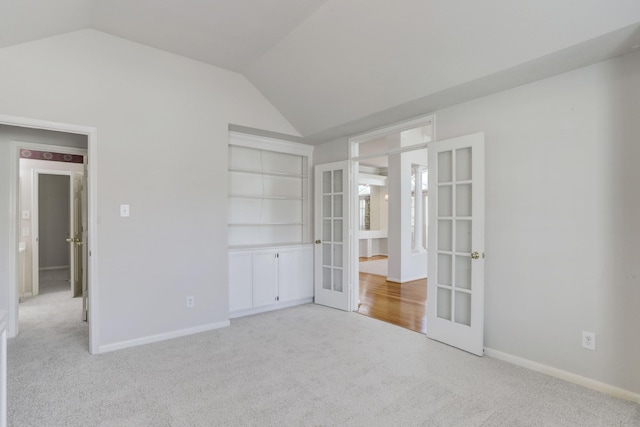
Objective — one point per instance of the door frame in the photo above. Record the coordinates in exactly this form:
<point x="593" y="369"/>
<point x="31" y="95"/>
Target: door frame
<point x="92" y="209"/>
<point x="354" y="162"/>
<point x="35" y="217"/>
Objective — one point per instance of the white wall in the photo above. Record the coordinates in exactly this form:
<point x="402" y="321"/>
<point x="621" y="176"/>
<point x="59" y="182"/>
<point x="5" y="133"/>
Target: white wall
<point x="162" y="125"/>
<point x="562" y="217"/>
<point x="405" y="264"/>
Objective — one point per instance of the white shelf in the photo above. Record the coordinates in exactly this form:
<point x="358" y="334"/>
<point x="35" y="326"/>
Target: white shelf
<point x="258" y="224"/>
<point x="268" y="246"/>
<point x="247" y="196"/>
<point x="269" y="192"/>
<point x="278" y="174"/>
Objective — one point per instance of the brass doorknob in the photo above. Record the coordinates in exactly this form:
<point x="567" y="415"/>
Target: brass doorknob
<point x="318" y="242"/>
<point x="70" y="240"/>
<point x="475" y="255"/>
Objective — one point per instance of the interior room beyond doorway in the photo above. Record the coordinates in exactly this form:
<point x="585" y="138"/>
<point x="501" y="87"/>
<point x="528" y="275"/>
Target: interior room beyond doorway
<point x="392" y="230"/>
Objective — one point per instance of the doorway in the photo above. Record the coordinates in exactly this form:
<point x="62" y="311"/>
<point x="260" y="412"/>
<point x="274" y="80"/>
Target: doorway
<point x="390" y="232"/>
<point x="15" y="128"/>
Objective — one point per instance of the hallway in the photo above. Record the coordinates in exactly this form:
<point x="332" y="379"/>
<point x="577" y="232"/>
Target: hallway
<point x="401" y="304"/>
<point x="53" y="308"/>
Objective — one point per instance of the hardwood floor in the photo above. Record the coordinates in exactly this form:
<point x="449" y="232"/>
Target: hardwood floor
<point x="401" y="304"/>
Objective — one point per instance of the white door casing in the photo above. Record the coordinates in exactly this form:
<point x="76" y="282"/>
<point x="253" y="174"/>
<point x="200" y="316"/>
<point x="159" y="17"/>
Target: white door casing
<point x="455" y="290"/>
<point x="332" y="235"/>
<point x="83" y="250"/>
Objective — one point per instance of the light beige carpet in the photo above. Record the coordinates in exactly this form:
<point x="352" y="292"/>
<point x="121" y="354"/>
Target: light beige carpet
<point x="308" y="365"/>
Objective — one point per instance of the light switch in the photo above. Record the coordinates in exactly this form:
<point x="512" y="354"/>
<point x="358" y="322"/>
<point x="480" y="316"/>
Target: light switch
<point x="26" y="214"/>
<point x="124" y="210"/>
<point x="26" y="231"/>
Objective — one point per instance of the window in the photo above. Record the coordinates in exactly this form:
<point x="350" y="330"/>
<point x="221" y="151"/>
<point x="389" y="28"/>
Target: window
<point x="364" y="191"/>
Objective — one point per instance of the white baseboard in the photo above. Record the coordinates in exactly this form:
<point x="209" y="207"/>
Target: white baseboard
<point x="55" y="267"/>
<point x="161" y="337"/>
<point x="411" y="279"/>
<point x="564" y="375"/>
<point x="250" y="311"/>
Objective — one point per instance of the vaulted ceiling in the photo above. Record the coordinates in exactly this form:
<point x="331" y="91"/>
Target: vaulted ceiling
<point x="340" y="67"/>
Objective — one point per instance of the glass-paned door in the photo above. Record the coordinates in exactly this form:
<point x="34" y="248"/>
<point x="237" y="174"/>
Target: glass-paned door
<point x="331" y="235"/>
<point x="455" y="290"/>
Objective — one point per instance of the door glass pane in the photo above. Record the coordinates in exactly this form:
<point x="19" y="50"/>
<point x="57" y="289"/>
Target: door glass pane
<point x="445" y="200"/>
<point x="463" y="272"/>
<point x="463" y="308"/>
<point x="337" y="230"/>
<point x="463" y="236"/>
<point x="445" y="235"/>
<point x="463" y="200"/>
<point x="326" y="182"/>
<point x="444" y="166"/>
<point x="326" y="278"/>
<point x="326" y="230"/>
<point x="463" y="164"/>
<point x="337" y="279"/>
<point x="337" y="206"/>
<point x="337" y="255"/>
<point x="326" y="206"/>
<point x="337" y="181"/>
<point x="444" y="303"/>
<point x="326" y="254"/>
<point x="444" y="269"/>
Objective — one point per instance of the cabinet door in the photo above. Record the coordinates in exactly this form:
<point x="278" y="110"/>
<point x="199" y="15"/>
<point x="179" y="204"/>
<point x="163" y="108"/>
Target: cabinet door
<point x="265" y="278"/>
<point x="240" y="281"/>
<point x="295" y="273"/>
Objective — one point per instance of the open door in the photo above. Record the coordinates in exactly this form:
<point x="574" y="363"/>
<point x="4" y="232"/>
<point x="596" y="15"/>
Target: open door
<point x="332" y="235"/>
<point x="76" y="236"/>
<point x="78" y="240"/>
<point x="455" y="290"/>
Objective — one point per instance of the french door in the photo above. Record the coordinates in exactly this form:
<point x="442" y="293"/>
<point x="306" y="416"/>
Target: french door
<point x="455" y="290"/>
<point x="332" y="235"/>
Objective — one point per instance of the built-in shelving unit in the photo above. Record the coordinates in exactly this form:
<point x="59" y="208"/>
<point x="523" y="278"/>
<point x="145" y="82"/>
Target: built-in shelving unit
<point x="270" y="251"/>
<point x="268" y="191"/>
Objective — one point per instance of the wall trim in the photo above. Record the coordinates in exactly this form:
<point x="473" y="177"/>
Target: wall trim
<point x="92" y="177"/>
<point x="161" y="337"/>
<point x="272" y="307"/>
<point x="564" y="375"/>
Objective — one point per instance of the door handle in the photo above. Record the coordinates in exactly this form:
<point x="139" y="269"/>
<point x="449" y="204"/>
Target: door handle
<point x="318" y="242"/>
<point x="475" y="255"/>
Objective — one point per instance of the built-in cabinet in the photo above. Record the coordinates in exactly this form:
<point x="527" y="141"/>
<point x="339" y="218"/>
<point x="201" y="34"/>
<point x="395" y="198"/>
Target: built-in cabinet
<point x="267" y="279"/>
<point x="270" y="251"/>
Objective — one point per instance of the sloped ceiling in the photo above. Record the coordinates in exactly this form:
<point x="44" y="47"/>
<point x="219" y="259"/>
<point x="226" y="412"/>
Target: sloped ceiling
<point x="339" y="67"/>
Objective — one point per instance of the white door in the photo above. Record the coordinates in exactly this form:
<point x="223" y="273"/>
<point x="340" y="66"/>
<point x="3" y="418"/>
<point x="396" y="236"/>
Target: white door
<point x="332" y="235"/>
<point x="240" y="281"/>
<point x="75" y="236"/>
<point x="455" y="290"/>
<point x="265" y="277"/>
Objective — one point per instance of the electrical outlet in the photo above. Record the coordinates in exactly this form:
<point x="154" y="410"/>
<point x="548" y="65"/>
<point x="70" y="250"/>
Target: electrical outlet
<point x="191" y="301"/>
<point x="588" y="340"/>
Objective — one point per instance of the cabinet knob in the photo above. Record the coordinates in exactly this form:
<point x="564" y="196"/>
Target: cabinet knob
<point x="318" y="242"/>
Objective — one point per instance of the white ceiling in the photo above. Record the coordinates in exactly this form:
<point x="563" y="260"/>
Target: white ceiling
<point x="339" y="67"/>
